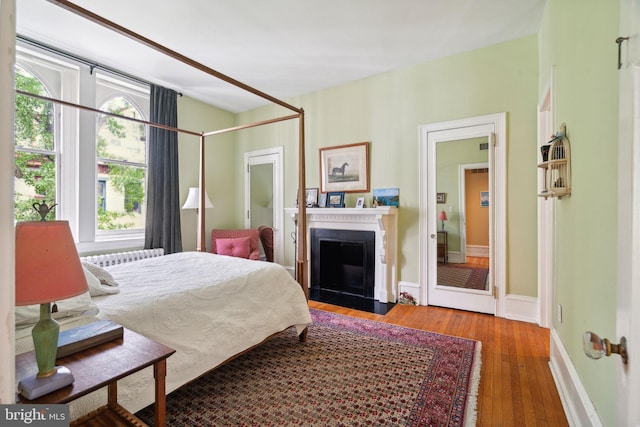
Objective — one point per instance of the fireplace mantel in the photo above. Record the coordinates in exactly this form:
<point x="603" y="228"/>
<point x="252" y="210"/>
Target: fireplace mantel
<point x="383" y="220"/>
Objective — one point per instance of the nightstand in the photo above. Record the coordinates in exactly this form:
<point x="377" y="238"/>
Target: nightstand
<point x="104" y="365"/>
<point x="443" y="246"/>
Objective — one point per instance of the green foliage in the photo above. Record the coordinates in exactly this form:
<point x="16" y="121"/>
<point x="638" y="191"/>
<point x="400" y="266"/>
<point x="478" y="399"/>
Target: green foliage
<point x="129" y="181"/>
<point x="108" y="220"/>
<point x="34" y="130"/>
<point x="34" y="117"/>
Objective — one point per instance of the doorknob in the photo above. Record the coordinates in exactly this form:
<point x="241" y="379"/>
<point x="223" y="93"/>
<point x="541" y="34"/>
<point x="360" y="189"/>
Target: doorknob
<point x="596" y="347"/>
<point x="433" y="236"/>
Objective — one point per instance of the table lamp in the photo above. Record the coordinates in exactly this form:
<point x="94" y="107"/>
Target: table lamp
<point x="442" y="217"/>
<point x="193" y="199"/>
<point x="48" y="269"/>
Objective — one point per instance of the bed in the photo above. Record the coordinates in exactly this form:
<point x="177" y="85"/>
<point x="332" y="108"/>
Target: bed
<point x="208" y="307"/>
<point x="257" y="301"/>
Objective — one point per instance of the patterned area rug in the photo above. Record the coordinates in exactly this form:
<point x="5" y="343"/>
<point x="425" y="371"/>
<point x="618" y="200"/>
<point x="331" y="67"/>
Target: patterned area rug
<point x="350" y="372"/>
<point x="462" y="277"/>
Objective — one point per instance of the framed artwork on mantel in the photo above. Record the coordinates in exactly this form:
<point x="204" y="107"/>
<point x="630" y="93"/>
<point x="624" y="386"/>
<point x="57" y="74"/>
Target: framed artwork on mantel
<point x="345" y="168"/>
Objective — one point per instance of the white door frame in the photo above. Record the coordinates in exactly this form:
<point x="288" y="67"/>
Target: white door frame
<point x="628" y="286"/>
<point x="463" y="128"/>
<point x="273" y="156"/>
<point x="546" y="213"/>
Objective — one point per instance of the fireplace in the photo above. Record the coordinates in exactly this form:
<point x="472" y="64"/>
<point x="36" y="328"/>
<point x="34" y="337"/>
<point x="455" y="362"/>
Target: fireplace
<point x="343" y="264"/>
<point x="381" y="262"/>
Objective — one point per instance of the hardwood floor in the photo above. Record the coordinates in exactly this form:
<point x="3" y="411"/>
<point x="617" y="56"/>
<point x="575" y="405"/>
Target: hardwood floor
<point x="516" y="387"/>
<point x="476" y="262"/>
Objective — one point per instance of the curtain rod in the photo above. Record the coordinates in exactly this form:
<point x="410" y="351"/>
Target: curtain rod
<point x="91" y="64"/>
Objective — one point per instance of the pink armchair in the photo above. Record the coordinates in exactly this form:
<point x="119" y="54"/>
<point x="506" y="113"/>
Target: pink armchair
<point x="232" y="242"/>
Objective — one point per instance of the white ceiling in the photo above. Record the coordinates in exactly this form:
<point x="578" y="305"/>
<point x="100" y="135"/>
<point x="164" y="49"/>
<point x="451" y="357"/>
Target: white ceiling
<point x="284" y="48"/>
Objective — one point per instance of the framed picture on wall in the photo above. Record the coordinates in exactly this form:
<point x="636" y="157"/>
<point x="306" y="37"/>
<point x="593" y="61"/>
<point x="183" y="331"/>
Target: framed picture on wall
<point x="345" y="168"/>
<point x="484" y="199"/>
<point x="441" y="197"/>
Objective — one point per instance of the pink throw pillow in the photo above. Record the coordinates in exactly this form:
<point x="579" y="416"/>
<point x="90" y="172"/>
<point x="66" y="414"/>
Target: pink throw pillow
<point x="238" y="247"/>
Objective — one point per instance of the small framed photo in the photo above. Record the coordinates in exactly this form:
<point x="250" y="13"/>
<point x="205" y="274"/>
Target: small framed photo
<point x="311" y="197"/>
<point x="360" y="202"/>
<point x="335" y="199"/>
<point x="322" y="200"/>
<point x="441" y="197"/>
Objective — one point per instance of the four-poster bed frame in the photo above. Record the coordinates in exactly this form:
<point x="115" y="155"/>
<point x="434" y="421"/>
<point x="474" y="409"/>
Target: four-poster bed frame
<point x="301" y="253"/>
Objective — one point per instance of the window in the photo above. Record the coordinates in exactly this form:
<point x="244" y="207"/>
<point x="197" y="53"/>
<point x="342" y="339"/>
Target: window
<point x="121" y="158"/>
<point x="36" y="151"/>
<point x="93" y="166"/>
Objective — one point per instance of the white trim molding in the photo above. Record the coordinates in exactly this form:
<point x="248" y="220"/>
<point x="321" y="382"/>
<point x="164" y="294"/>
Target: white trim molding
<point x="521" y="307"/>
<point x="575" y="400"/>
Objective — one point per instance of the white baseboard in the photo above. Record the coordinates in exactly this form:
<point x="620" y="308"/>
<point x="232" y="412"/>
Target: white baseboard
<point x="476" y="250"/>
<point x="454" y="257"/>
<point x="575" y="400"/>
<point x="520" y="307"/>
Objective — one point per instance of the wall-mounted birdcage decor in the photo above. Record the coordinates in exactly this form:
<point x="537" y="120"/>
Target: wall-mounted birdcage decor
<point x="556" y="164"/>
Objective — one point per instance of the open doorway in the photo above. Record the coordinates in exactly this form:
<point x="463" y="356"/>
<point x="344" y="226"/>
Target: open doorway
<point x="475" y="236"/>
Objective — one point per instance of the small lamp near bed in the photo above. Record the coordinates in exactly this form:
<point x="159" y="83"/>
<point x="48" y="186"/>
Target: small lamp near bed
<point x="47" y="269"/>
<point x="193" y="199"/>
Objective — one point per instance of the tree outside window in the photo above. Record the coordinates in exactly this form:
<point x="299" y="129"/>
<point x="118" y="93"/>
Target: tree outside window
<point x="36" y="156"/>
<point x="121" y="166"/>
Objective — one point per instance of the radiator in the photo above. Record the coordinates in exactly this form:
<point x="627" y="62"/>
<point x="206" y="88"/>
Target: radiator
<point x="105" y="260"/>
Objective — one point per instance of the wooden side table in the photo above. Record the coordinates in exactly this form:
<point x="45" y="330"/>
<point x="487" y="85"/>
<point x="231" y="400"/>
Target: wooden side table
<point x="443" y="245"/>
<point x="104" y="365"/>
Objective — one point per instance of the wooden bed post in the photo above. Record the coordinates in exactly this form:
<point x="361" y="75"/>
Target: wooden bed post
<point x="301" y="238"/>
<point x="302" y="275"/>
<point x="201" y="240"/>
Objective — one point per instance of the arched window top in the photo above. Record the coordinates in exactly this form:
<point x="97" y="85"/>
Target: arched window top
<point x="34" y="117"/>
<point x="119" y="139"/>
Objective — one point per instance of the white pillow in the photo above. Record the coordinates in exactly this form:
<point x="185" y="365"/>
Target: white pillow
<point x="80" y="305"/>
<point x="96" y="288"/>
<point x="103" y="275"/>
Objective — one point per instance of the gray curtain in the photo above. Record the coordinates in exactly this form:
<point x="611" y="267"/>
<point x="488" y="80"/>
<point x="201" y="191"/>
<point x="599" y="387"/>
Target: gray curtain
<point x="163" y="195"/>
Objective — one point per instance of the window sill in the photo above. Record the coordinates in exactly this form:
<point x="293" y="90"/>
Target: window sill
<point x="105" y="246"/>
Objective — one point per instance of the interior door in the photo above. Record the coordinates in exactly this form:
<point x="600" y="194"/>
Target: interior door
<point x="628" y="289"/>
<point x="445" y="140"/>
<point x="452" y="285"/>
<point x="264" y="194"/>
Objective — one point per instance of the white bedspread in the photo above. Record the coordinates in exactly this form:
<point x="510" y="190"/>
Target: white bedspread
<point x="207" y="307"/>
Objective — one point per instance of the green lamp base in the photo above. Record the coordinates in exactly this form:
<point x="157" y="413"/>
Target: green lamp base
<point x="33" y="387"/>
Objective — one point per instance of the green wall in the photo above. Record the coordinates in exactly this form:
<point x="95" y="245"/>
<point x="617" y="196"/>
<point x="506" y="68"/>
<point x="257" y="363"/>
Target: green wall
<point x="196" y="116"/>
<point x="586" y="88"/>
<point x="387" y="109"/>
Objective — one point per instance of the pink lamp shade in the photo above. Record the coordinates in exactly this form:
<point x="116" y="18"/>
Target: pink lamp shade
<point x="47" y="263"/>
<point x="442" y="216"/>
